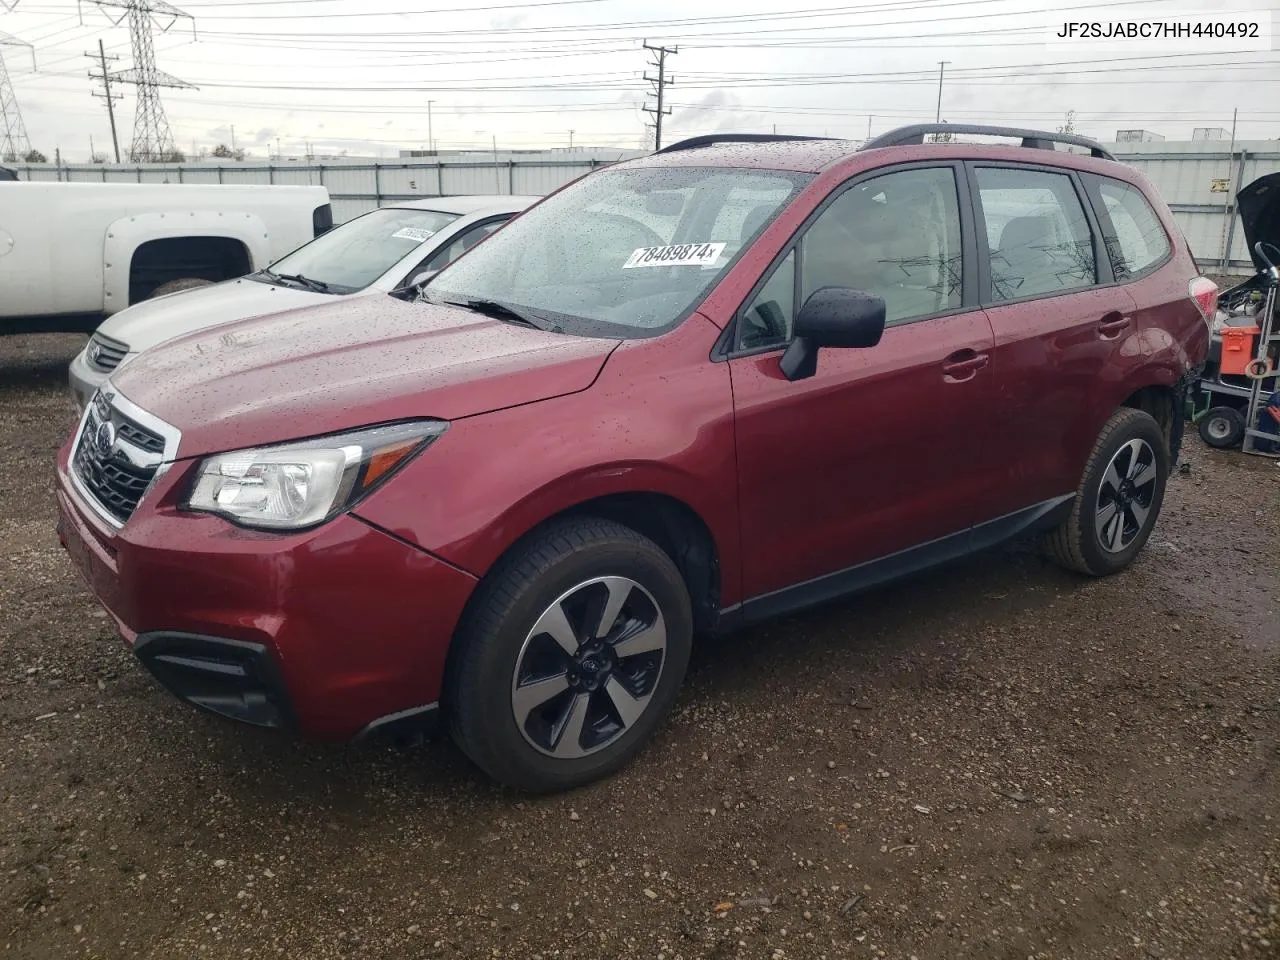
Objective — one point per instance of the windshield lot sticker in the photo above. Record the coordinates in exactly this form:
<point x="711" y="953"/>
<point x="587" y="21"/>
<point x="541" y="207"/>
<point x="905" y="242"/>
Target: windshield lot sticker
<point x="417" y="234"/>
<point x="675" y="255"/>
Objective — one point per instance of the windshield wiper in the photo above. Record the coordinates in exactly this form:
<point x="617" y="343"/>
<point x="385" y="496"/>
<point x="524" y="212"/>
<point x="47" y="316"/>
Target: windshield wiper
<point x="317" y="285"/>
<point x="507" y="313"/>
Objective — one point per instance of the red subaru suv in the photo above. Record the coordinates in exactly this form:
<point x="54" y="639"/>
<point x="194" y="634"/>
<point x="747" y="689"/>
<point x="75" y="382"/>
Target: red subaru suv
<point x="737" y="377"/>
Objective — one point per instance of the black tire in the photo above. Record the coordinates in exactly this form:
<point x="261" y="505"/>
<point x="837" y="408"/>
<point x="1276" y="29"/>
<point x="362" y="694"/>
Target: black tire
<point x="176" y="286"/>
<point x="1078" y="543"/>
<point x="1221" y="427"/>
<point x="497" y="639"/>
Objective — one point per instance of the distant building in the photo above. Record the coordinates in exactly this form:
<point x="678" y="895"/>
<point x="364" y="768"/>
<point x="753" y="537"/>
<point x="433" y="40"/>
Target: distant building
<point x="1137" y="136"/>
<point x="1210" y="133"/>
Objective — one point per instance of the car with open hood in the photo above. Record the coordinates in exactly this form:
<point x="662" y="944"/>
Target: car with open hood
<point x="740" y="376"/>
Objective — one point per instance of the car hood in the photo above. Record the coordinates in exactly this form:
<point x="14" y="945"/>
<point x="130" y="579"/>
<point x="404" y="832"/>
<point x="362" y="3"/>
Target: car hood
<point x="360" y="361"/>
<point x="1259" y="206"/>
<point x="150" y="322"/>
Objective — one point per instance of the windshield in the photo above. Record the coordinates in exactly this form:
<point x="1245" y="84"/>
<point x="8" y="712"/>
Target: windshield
<point x="622" y="253"/>
<point x="350" y="257"/>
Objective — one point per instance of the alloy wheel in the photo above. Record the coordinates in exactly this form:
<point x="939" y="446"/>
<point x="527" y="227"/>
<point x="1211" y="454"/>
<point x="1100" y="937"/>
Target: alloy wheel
<point x="589" y="667"/>
<point x="1125" y="496"/>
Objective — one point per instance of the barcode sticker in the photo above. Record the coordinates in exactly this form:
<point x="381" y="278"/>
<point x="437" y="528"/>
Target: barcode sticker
<point x="675" y="255"/>
<point x="418" y="234"/>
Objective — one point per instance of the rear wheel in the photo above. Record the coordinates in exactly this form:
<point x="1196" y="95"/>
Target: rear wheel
<point x="1221" y="427"/>
<point x="570" y="657"/>
<point x="1119" y="498"/>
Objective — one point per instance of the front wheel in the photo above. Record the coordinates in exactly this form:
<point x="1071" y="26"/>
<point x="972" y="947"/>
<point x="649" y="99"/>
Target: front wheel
<point x="572" y="653"/>
<point x="1118" y="501"/>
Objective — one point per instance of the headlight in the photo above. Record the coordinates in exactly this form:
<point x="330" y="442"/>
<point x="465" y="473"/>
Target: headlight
<point x="298" y="485"/>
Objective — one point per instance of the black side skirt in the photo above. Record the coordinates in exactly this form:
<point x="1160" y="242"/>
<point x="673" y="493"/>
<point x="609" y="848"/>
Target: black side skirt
<point x="873" y="573"/>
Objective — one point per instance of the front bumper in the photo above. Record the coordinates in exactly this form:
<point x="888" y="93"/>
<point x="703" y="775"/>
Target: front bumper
<point x="84" y="380"/>
<point x="331" y="632"/>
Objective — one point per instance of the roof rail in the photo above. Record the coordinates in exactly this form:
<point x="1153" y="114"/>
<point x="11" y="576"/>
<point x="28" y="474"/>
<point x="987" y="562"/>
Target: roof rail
<point x="713" y="138"/>
<point x="1036" y="139"/>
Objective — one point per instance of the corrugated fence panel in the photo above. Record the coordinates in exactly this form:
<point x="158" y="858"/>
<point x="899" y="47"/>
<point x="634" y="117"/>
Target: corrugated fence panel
<point x="460" y="180"/>
<point x="298" y="176"/>
<point x="535" y="179"/>
<point x="406" y="183"/>
<point x="349" y="182"/>
<point x="249" y="175"/>
<point x="344" y="210"/>
<point x="200" y="175"/>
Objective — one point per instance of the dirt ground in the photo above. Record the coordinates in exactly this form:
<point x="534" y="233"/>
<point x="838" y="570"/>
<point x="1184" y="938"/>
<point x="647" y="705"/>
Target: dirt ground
<point x="996" y="761"/>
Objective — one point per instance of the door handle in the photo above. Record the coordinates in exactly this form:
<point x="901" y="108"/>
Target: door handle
<point x="1111" y="324"/>
<point x="963" y="365"/>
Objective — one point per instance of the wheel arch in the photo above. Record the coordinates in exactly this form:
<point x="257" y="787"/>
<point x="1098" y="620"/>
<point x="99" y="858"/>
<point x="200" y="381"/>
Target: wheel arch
<point x="670" y="522"/>
<point x="234" y="242"/>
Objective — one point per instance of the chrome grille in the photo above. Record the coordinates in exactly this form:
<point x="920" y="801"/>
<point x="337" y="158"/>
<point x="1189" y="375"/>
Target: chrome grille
<point x="116" y="457"/>
<point x="104" y="354"/>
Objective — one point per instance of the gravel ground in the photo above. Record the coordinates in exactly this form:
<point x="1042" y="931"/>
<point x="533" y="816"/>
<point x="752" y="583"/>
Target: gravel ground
<point x="998" y="761"/>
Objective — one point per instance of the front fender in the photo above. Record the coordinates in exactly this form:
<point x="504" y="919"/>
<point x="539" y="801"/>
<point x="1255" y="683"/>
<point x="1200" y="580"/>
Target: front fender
<point x="126" y="234"/>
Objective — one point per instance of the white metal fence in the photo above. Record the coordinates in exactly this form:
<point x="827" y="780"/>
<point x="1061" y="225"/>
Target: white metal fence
<point x="354" y="188"/>
<point x="1198" y="180"/>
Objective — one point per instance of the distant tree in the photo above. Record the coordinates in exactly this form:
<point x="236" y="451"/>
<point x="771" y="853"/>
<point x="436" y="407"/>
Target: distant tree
<point x="223" y="152"/>
<point x="35" y="156"/>
<point x="172" y="156"/>
<point x="98" y="158"/>
<point x="1070" y="125"/>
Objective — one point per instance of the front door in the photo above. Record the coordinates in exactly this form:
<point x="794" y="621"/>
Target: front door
<point x="884" y="448"/>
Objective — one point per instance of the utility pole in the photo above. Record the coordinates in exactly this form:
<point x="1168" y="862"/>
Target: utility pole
<point x="1228" y="221"/>
<point x="430" y="139"/>
<point x="660" y="84"/>
<point x="942" y="65"/>
<point x="105" y="78"/>
<point x="570" y="139"/>
<point x="233" y="138"/>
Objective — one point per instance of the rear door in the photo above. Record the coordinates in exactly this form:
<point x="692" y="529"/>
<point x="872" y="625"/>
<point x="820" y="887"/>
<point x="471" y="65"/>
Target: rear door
<point x="1057" y="329"/>
<point x="883" y="448"/>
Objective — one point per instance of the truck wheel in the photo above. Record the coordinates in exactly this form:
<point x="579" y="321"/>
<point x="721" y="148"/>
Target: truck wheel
<point x="1118" y="501"/>
<point x="1221" y="427"/>
<point x="571" y="655"/>
<point x="175" y="286"/>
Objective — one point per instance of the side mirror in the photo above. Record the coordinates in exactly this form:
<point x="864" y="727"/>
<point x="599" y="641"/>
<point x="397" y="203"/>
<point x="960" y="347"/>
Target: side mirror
<point x="832" y="317"/>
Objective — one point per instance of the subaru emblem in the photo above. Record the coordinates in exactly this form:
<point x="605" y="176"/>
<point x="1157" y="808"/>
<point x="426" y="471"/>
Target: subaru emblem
<point x="104" y="440"/>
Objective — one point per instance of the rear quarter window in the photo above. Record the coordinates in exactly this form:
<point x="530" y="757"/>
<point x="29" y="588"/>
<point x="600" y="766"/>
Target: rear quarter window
<point x="1135" y="238"/>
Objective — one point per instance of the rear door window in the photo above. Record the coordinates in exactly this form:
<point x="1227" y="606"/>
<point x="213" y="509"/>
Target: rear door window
<point x="1038" y="235"/>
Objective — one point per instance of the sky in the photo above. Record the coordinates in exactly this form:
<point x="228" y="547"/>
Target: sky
<point x="356" y="76"/>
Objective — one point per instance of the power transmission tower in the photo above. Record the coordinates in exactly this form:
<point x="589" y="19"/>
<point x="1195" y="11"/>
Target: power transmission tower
<point x="152" y="138"/>
<point x="14" y="144"/>
<point x="105" y="78"/>
<point x="659" y="84"/>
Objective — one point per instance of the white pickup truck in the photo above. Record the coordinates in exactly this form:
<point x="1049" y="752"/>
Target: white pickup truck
<point x="72" y="254"/>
